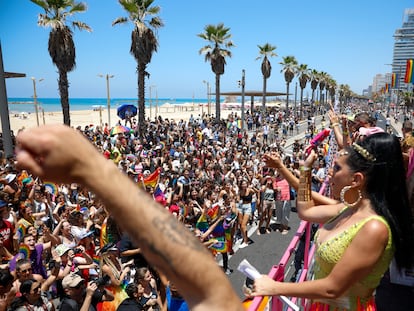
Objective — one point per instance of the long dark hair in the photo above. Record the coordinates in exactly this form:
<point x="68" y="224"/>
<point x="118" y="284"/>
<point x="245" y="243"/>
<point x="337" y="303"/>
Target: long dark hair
<point x="386" y="188"/>
<point x="25" y="288"/>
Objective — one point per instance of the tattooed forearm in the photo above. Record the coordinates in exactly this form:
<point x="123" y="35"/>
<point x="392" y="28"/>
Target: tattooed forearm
<point x="171" y="228"/>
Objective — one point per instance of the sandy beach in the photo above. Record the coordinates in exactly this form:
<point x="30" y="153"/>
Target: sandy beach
<point x="98" y="117"/>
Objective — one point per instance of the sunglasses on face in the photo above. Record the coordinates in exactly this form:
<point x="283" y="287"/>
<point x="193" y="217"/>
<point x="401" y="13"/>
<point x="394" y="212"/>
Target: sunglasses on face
<point x="29" y="270"/>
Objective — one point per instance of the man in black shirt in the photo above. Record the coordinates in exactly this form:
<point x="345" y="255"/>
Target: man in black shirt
<point x="77" y="297"/>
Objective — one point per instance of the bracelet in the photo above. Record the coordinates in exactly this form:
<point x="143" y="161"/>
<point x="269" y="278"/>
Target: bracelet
<point x="335" y="124"/>
<point x="69" y="265"/>
<point x="304" y="189"/>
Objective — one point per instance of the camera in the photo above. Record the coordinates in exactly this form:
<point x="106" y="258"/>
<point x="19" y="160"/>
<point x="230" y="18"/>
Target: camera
<point x="104" y="280"/>
<point x="77" y="250"/>
<point x="52" y="264"/>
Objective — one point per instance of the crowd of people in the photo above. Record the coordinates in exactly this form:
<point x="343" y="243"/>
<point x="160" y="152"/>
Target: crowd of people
<point x="88" y="217"/>
<point x="208" y="175"/>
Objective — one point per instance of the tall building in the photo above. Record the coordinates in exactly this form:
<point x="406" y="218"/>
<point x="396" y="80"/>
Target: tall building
<point x="403" y="47"/>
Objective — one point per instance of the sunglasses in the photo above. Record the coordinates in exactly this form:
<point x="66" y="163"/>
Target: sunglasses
<point x="26" y="270"/>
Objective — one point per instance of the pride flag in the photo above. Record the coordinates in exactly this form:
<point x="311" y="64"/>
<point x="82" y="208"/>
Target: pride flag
<point x="213" y="211"/>
<point x="152" y="179"/>
<point x="394" y="80"/>
<point x="387" y="88"/>
<point x="409" y="72"/>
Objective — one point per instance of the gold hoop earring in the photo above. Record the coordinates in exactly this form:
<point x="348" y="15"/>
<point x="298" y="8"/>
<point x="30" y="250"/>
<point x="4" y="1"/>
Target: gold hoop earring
<point x="342" y="196"/>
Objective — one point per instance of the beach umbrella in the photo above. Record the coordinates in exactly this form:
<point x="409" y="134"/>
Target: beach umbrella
<point x="125" y="110"/>
<point x="117" y="129"/>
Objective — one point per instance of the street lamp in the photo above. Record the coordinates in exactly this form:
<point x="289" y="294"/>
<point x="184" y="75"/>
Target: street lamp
<point x="108" y="98"/>
<point x="208" y="97"/>
<point x="243" y="83"/>
<point x="35" y="99"/>
<point x="150" y="107"/>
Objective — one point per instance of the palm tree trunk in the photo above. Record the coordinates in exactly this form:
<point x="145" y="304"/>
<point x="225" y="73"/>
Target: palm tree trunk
<point x="217" y="97"/>
<point x="301" y="103"/>
<point x="141" y="99"/>
<point x="264" y="95"/>
<point x="64" y="96"/>
<point x="287" y="101"/>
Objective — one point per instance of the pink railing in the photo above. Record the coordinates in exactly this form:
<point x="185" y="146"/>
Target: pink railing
<point x="278" y="272"/>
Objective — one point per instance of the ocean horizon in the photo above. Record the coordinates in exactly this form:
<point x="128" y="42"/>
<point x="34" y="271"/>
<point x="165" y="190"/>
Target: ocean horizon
<point x="21" y="104"/>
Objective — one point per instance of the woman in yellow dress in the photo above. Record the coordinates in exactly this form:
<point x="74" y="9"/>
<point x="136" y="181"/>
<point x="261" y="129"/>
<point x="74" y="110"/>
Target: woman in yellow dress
<point x="361" y="234"/>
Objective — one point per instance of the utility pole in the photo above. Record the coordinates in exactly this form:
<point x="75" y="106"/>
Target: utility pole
<point x="242" y="99"/>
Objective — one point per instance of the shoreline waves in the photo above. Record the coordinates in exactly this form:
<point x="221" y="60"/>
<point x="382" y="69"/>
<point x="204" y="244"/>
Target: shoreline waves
<point x="92" y="113"/>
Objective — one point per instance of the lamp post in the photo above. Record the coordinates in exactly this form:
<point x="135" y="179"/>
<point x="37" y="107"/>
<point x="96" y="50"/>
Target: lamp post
<point x="208" y="97"/>
<point x="243" y="82"/>
<point x="108" y="98"/>
<point x="35" y="99"/>
<point x="150" y="107"/>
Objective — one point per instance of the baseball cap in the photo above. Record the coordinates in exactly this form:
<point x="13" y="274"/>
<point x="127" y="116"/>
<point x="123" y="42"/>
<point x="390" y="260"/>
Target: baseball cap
<point x="71" y="280"/>
<point x="85" y="234"/>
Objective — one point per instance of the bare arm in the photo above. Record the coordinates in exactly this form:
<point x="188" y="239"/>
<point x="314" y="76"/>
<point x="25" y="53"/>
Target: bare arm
<point x="273" y="160"/>
<point x="356" y="263"/>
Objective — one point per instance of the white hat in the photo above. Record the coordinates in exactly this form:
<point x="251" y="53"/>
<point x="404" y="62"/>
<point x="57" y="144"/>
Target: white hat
<point x="71" y="280"/>
<point x="10" y="178"/>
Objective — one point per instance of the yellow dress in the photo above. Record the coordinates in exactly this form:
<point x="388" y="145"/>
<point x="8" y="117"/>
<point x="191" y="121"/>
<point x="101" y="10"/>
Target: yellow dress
<point x="330" y="252"/>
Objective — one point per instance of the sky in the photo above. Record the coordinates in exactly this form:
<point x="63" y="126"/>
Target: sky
<point x="350" y="40"/>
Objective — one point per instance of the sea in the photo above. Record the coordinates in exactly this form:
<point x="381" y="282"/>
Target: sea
<point x="19" y="105"/>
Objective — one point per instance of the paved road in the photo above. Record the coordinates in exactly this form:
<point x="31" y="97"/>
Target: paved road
<point x="266" y="250"/>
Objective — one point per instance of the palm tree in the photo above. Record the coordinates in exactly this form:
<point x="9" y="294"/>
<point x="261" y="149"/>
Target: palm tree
<point x="61" y="46"/>
<point x="304" y="76"/>
<point x="289" y="64"/>
<point x="314" y="78"/>
<point x="216" y="52"/>
<point x="144" y="43"/>
<point x="323" y="78"/>
<point x="265" y="51"/>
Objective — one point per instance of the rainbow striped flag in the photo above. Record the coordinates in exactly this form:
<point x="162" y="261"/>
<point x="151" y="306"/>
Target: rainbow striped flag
<point x="202" y="223"/>
<point x="387" y="89"/>
<point x="394" y="80"/>
<point x="152" y="180"/>
<point x="213" y="211"/>
<point x="409" y="71"/>
<point x="220" y="245"/>
<point x="96" y="259"/>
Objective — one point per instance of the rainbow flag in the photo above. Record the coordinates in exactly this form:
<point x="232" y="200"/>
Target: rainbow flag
<point x="213" y="211"/>
<point x="152" y="180"/>
<point x="202" y="223"/>
<point x="96" y="259"/>
<point x="220" y="245"/>
<point x="394" y="78"/>
<point x="239" y="124"/>
<point x="409" y="71"/>
<point x="387" y="89"/>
